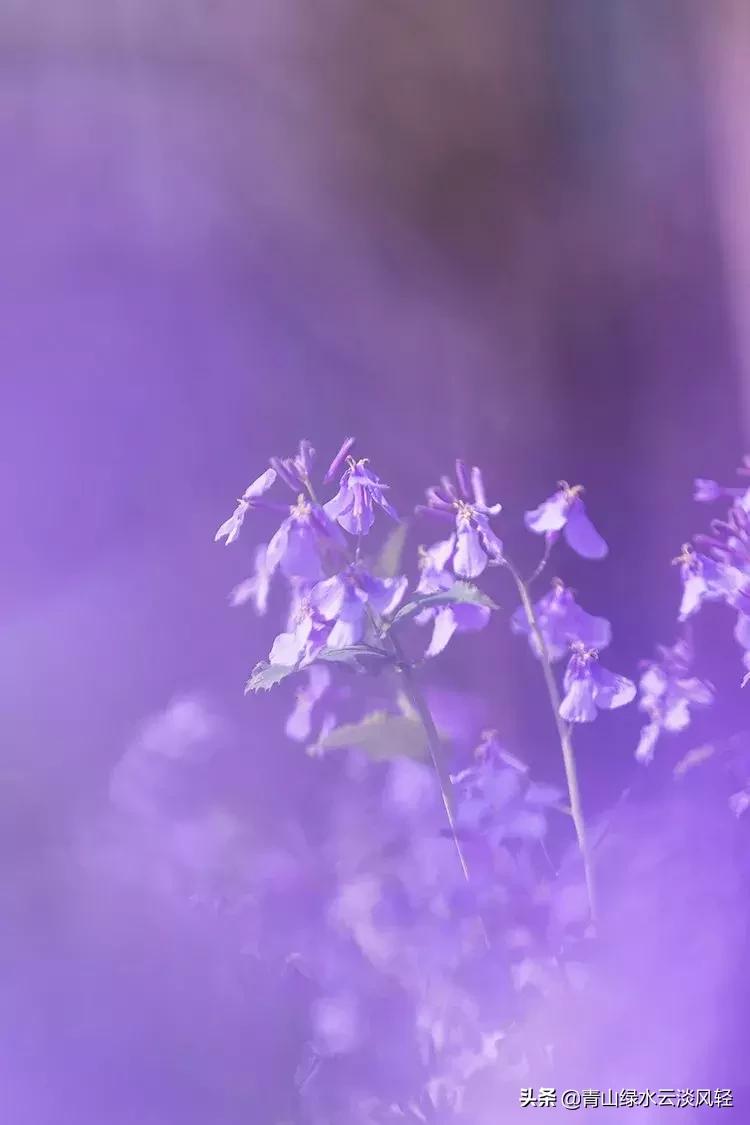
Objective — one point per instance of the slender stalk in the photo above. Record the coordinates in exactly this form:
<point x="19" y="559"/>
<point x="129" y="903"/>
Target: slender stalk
<point x="419" y="703"/>
<point x="564" y="734"/>
<point x="434" y="746"/>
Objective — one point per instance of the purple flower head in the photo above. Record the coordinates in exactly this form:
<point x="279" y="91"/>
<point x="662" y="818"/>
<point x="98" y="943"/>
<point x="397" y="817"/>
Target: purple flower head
<point x="231" y="527"/>
<point x="306" y="634"/>
<point x="359" y="490"/>
<point x="565" y="511"/>
<point x="299" y="723"/>
<point x="348" y="600"/>
<point x="495" y="795"/>
<point x="589" y="687"/>
<point x="302" y="540"/>
<point x="256" y="588"/>
<point x="706" y="579"/>
<point x="296" y="471"/>
<point x="729" y="541"/>
<point x="448" y="619"/>
<point x="708" y="491"/>
<point x="561" y="621"/>
<point x="475" y="543"/>
<point x="667" y="692"/>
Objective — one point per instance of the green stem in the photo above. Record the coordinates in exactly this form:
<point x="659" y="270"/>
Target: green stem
<point x="435" y="748"/>
<point x="564" y="734"/>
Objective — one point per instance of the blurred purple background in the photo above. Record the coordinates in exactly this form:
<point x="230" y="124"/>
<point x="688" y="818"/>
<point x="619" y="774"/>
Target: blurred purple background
<point x="508" y="231"/>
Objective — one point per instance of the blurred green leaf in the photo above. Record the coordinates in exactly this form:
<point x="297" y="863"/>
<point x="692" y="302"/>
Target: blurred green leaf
<point x="381" y="735"/>
<point x="388" y="562"/>
<point x="362" y="658"/>
<point x="264" y="676"/>
<point x="461" y="593"/>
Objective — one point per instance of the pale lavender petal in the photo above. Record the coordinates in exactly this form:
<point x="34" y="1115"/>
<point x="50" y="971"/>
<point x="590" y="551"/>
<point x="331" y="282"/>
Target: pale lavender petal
<point x="578" y="705"/>
<point x="328" y="597"/>
<point x="470" y="618"/>
<point x="480" y="499"/>
<point x="693" y="593"/>
<point x="649" y="737"/>
<point x="581" y="534"/>
<point x="386" y="506"/>
<point x="696" y="691"/>
<point x="653" y="682"/>
<point x="289" y="648"/>
<point x="299" y="723"/>
<point x="259" y="486"/>
<point x="255" y="588"/>
<point x="231" y="528"/>
<point x="593" y="632"/>
<point x="339" y="459"/>
<point x="549" y="516"/>
<point x="706" y="491"/>
<point x="339" y="504"/>
<point x="676" y="715"/>
<point x="301" y="558"/>
<point x="443" y="630"/>
<point x="358" y="518"/>
<point x="277" y="546"/>
<point x="470" y="560"/>
<point x="491" y="543"/>
<point x="349" y="626"/>
<point x="742" y="631"/>
<point x="464" y="481"/>
<point x="611" y="690"/>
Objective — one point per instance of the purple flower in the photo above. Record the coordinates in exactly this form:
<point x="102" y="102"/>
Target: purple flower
<point x="359" y="490"/>
<point x="346" y="600"/>
<point x="475" y="543"/>
<point x="496" y="797"/>
<point x="257" y="587"/>
<point x="231" y="528"/>
<point x="299" y="723"/>
<point x="589" y="687"/>
<point x="561" y="620"/>
<point x="667" y="692"/>
<point x="307" y="632"/>
<point x="303" y="538"/>
<point x="565" y="511"/>
<point x="706" y="579"/>
<point x="448" y="619"/>
<point x="296" y="471"/>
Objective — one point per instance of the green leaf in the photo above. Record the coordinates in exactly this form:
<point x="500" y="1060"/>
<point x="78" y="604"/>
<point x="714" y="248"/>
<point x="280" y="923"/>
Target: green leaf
<point x="264" y="676"/>
<point x="381" y="735"/>
<point x="362" y="658"/>
<point x="461" y="593"/>
<point x="388" y="562"/>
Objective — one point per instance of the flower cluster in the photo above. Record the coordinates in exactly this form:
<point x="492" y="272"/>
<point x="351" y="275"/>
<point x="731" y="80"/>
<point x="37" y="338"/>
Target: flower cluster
<point x="667" y="693"/>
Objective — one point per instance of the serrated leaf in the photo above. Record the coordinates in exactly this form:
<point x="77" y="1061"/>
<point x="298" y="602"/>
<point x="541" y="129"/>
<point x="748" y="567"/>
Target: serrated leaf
<point x="388" y="562"/>
<point x="381" y="735"/>
<point x="461" y="593"/>
<point x="362" y="658"/>
<point x="264" y="676"/>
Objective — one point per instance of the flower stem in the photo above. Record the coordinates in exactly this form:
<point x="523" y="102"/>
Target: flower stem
<point x="564" y="734"/>
<point x="419" y="703"/>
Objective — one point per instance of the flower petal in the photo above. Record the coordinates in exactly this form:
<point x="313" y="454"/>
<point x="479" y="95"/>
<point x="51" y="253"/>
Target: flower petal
<point x="551" y="515"/>
<point x="259" y="486"/>
<point x="469" y="560"/>
<point x="578" y="705"/>
<point x="611" y="690"/>
<point x="443" y="630"/>
<point x="581" y="535"/>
